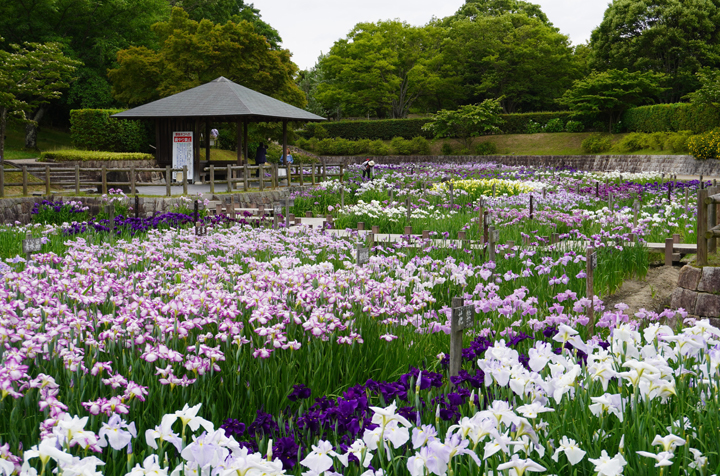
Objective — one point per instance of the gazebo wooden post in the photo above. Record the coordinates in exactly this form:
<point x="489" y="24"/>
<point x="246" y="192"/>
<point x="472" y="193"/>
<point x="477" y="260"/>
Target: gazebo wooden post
<point x="207" y="140"/>
<point x="284" y="151"/>
<point x="196" y="151"/>
<point x="240" y="143"/>
<point x="245" y="140"/>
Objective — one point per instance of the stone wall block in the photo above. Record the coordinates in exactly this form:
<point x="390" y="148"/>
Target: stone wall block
<point x="710" y="280"/>
<point x="707" y="305"/>
<point x="689" y="277"/>
<point x="683" y="298"/>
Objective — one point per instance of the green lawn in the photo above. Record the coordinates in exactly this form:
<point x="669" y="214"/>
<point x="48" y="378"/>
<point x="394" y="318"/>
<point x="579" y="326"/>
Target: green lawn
<point x="49" y="138"/>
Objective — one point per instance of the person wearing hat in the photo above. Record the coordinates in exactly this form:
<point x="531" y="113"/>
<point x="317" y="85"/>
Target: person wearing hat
<point x="367" y="168"/>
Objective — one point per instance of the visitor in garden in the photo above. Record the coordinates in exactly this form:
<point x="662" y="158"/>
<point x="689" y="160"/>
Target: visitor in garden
<point x="260" y="156"/>
<point x="367" y="168"/>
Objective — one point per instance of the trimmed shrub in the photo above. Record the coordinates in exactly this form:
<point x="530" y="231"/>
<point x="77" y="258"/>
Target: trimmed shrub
<point x="677" y="141"/>
<point x="420" y="146"/>
<point x="70" y="155"/>
<point x="384" y="129"/>
<point x="94" y="129"/>
<point x="533" y="127"/>
<point x="518" y="123"/>
<point x="596" y="143"/>
<point x="697" y="118"/>
<point x="705" y="146"/>
<point x="574" y="126"/>
<point x="656" y="140"/>
<point x="378" y="147"/>
<point x="630" y="143"/>
<point x="401" y="146"/>
<point x="555" y="125"/>
<point x="486" y="148"/>
<point x="446" y="149"/>
<point x="313" y="129"/>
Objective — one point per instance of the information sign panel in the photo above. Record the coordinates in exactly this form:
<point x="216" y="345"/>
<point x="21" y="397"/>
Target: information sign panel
<point x="183" y="154"/>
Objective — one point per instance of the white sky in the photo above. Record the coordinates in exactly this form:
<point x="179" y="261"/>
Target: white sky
<point x="309" y="27"/>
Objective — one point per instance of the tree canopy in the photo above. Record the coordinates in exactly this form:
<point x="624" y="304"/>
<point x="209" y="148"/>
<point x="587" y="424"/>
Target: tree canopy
<point x="674" y="37"/>
<point x="192" y="53"/>
<point x="474" y="9"/>
<point x="467" y="121"/>
<point x="610" y="93"/>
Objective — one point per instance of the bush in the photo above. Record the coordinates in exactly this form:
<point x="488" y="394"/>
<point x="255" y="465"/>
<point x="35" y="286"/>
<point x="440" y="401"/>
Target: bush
<point x="705" y="146"/>
<point x="313" y="129"/>
<point x="94" y="129"/>
<point x="302" y="143"/>
<point x="420" y="146"/>
<point x="518" y="123"/>
<point x="656" y="140"/>
<point x="533" y="127"/>
<point x="630" y="143"/>
<point x="401" y="146"/>
<point x="384" y="129"/>
<point x="486" y="148"/>
<point x="677" y="141"/>
<point x="555" y="125"/>
<point x="378" y="147"/>
<point x="697" y="118"/>
<point x="574" y="126"/>
<point x="69" y="155"/>
<point x="446" y="149"/>
<point x="596" y="143"/>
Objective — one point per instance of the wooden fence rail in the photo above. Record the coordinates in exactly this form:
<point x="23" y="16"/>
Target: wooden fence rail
<point x="236" y="177"/>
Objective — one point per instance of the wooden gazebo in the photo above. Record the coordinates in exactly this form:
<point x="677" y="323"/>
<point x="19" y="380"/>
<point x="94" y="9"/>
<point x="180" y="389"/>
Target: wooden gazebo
<point x="218" y="101"/>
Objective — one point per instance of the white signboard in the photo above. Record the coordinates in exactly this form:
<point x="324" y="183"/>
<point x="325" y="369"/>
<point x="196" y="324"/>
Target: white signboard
<point x="183" y="154"/>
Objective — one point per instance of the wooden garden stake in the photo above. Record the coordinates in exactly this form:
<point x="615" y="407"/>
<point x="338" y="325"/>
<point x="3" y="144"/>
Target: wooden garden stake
<point x="531" y="206"/>
<point x="463" y="317"/>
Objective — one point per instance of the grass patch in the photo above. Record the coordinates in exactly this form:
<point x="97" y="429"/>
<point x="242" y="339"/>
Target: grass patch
<point x="49" y="138"/>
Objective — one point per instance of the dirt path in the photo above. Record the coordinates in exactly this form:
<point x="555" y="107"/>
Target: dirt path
<point x="652" y="293"/>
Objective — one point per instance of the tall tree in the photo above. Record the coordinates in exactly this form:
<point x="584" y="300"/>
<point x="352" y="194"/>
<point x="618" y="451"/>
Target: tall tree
<point x="610" y="93"/>
<point x="474" y="9"/>
<point x="381" y="69"/>
<point x="192" y="53"/>
<point x="30" y="75"/>
<point x="674" y="37"/>
<point x="512" y="56"/>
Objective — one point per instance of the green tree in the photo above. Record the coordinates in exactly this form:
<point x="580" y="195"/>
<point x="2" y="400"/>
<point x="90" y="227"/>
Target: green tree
<point x="193" y="53"/>
<point x="518" y="58"/>
<point x="308" y="80"/>
<point x="222" y="11"/>
<point x="474" y="9"/>
<point x="709" y="91"/>
<point x="382" y="69"/>
<point x="467" y="122"/>
<point x="674" y="37"/>
<point x="610" y="93"/>
<point x="30" y="75"/>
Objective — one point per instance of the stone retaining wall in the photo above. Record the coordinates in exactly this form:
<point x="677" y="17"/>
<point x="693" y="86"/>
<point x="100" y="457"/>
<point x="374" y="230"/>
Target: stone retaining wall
<point x="669" y="164"/>
<point x="698" y="292"/>
<point x="18" y="209"/>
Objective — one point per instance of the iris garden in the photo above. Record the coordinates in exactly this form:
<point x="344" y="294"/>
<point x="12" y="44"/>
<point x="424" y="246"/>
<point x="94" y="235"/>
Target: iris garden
<point x="134" y="346"/>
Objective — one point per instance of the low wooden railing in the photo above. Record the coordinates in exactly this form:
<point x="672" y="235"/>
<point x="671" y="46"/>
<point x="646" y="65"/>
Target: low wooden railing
<point x="236" y="177"/>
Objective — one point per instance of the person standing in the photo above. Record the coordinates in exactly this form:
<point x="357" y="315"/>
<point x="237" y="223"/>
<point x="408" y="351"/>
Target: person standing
<point x="367" y="167"/>
<point x="260" y="156"/>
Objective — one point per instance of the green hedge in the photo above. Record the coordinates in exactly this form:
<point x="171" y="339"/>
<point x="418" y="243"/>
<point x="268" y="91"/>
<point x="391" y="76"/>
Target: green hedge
<point x="386" y="129"/>
<point x="94" y="129"/>
<point x="672" y="118"/>
<point x="69" y="155"/>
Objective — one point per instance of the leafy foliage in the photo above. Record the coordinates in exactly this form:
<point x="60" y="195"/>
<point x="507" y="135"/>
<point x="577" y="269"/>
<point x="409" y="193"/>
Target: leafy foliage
<point x="672" y="37"/>
<point x="705" y="146"/>
<point x="672" y="117"/>
<point x="467" y="121"/>
<point x="72" y="155"/>
<point x="596" y="144"/>
<point x="193" y="53"/>
<point x="94" y="129"/>
<point x="609" y="94"/>
<point x="709" y="92"/>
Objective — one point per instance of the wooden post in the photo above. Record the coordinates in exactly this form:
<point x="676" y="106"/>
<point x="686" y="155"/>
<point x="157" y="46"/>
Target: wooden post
<point x="407" y="210"/>
<point x="589" y="287"/>
<point x="104" y="178"/>
<point x="342" y="174"/>
<point x="531" y="206"/>
<point x="491" y="243"/>
<point x="25" y="180"/>
<point x="324" y="171"/>
<point x="597" y="189"/>
<point x="185" y="179"/>
<point x="2" y="179"/>
<point x="246" y="174"/>
<point x="360" y="226"/>
<point x="137" y="207"/>
<point x="196" y="211"/>
<point x="669" y="251"/>
<point x="207" y="143"/>
<point x="312" y="170"/>
<point x="239" y="143"/>
<point x="426" y="234"/>
<point x="261" y="174"/>
<point x="245" y="142"/>
<point x="456" y="338"/>
<point x="493" y="191"/>
<point x="702" y="183"/>
<point x="302" y="172"/>
<point x="287" y="212"/>
<point x="486" y="223"/>
<point x="408" y="230"/>
<point x="452" y="197"/>
<point x="375" y="229"/>
<point x="342" y="196"/>
<point x="274" y="172"/>
<point x="676" y="238"/>
<point x="702" y="251"/>
<point x="212" y="179"/>
<point x="132" y="180"/>
<point x="168" y="181"/>
<point x="610" y="201"/>
<point x="230" y="179"/>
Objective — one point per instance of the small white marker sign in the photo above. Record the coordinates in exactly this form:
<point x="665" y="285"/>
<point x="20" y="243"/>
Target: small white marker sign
<point x="32" y="245"/>
<point x="363" y="256"/>
<point x="463" y="317"/>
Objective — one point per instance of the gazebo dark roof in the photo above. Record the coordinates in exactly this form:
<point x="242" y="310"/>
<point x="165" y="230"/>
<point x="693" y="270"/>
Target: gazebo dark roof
<point x="220" y="99"/>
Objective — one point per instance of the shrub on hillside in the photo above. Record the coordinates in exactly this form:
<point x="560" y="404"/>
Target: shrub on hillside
<point x="533" y="127"/>
<point x="94" y="129"/>
<point x="486" y="148"/>
<point x="555" y="125"/>
<point x="596" y="144"/>
<point x="705" y="146"/>
<point x="574" y="126"/>
<point x="446" y="149"/>
<point x="672" y="117"/>
<point x="677" y="141"/>
<point x="420" y="146"/>
<point x="631" y="142"/>
<point x="378" y="147"/>
<point x="401" y="146"/>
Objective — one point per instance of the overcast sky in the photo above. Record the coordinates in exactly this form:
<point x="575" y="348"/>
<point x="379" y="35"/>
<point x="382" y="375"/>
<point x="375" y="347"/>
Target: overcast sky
<point x="310" y="27"/>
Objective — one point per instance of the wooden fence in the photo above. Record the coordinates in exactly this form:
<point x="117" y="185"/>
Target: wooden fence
<point x="236" y="177"/>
